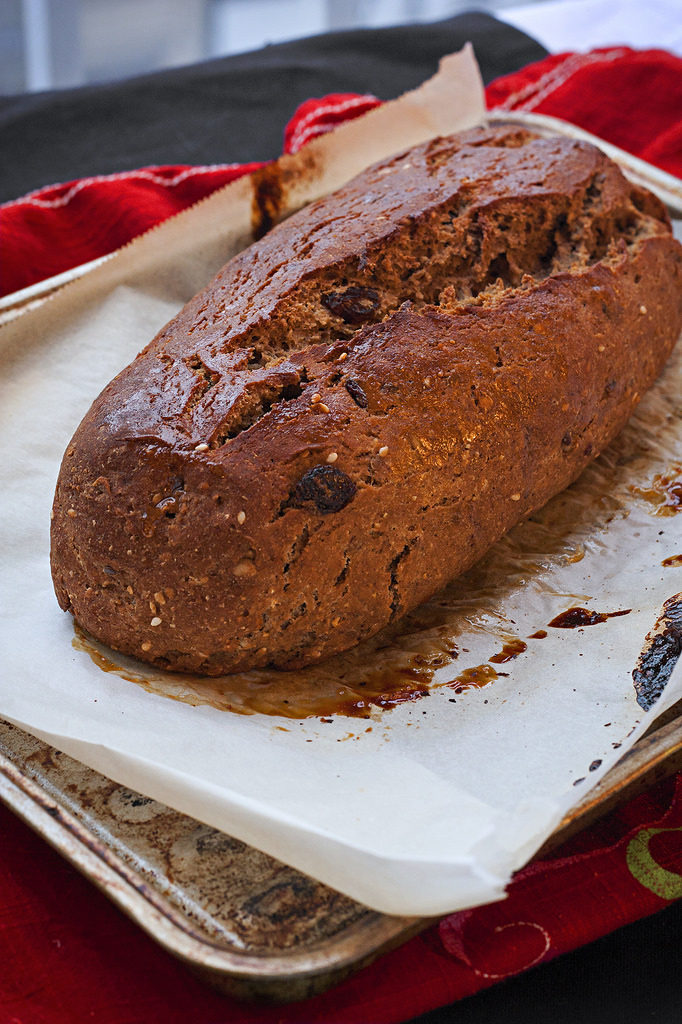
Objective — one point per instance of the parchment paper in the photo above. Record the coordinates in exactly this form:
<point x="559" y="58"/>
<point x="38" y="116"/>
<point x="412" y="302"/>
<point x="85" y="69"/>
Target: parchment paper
<point x="425" y="808"/>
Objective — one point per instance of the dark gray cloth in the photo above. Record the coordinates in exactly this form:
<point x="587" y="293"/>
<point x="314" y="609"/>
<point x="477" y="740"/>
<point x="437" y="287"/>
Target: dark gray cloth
<point x="231" y="109"/>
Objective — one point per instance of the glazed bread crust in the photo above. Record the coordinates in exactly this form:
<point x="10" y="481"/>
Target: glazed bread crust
<point x="360" y="404"/>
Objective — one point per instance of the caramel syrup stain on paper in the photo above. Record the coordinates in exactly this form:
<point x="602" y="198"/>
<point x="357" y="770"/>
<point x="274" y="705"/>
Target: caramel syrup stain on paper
<point x="576" y="618"/>
<point x="377" y="678"/>
<point x="474" y="678"/>
<point x="664" y="492"/>
<point x="576" y="555"/>
<point x="82" y="642"/>
<point x="394" y="668"/>
<point x="374" y="678"/>
<point x="511" y="650"/>
<point x="661" y="651"/>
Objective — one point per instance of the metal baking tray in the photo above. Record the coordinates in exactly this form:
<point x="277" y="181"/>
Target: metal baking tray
<point x="244" y="922"/>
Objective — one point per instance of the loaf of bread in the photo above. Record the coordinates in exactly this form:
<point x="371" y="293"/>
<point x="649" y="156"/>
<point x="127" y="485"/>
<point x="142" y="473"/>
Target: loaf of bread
<point x="361" y="403"/>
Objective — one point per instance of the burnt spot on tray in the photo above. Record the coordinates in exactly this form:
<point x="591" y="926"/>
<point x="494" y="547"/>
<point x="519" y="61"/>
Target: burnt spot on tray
<point x="325" y="487"/>
<point x="662" y="648"/>
<point x="354" y="305"/>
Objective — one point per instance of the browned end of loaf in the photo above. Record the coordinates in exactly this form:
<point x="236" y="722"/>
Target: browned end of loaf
<point x="364" y="401"/>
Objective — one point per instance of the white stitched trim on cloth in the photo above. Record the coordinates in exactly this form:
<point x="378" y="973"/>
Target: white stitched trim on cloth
<point x="305" y="128"/>
<point x="535" y="92"/>
<point x="34" y="198"/>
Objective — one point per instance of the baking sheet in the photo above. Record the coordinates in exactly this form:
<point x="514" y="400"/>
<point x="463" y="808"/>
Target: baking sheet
<point x="419" y="810"/>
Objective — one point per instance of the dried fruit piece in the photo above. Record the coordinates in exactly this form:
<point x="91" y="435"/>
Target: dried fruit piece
<point x="354" y="305"/>
<point x="327" y="487"/>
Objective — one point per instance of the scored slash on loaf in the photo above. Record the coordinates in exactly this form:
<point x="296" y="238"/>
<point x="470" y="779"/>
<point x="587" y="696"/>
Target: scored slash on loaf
<point x="362" y="402"/>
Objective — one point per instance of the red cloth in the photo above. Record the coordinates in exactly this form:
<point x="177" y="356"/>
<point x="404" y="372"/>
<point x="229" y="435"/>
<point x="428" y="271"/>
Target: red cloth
<point x="632" y="98"/>
<point x="66" y="953"/>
